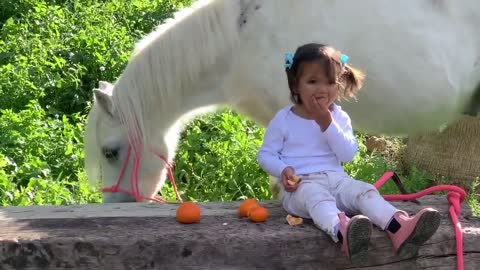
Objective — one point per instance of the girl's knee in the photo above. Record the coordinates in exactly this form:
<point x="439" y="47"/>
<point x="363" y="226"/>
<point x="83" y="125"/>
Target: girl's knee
<point x="368" y="193"/>
<point x="364" y="189"/>
<point x="355" y="193"/>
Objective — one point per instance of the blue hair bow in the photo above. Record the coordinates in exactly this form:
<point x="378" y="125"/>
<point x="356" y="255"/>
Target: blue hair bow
<point x="344" y="59"/>
<point x="288" y="60"/>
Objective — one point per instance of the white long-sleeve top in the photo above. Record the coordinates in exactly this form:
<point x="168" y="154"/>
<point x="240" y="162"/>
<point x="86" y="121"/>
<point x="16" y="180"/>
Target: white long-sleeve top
<point x="291" y="140"/>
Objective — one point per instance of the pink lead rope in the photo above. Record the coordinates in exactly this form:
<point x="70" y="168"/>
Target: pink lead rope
<point x="455" y="196"/>
<point x="134" y="178"/>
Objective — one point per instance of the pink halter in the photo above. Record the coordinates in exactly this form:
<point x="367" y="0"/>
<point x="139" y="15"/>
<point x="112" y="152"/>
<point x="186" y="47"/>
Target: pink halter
<point x="134" y="178"/>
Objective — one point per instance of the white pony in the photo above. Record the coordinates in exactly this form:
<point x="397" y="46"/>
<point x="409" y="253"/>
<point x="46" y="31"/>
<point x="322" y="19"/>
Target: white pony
<point x="421" y="59"/>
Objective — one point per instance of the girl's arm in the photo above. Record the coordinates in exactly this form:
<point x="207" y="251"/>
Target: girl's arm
<point x="269" y="153"/>
<point x="340" y="137"/>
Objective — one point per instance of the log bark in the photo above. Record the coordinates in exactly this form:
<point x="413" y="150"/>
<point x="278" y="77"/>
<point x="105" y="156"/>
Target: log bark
<point x="147" y="236"/>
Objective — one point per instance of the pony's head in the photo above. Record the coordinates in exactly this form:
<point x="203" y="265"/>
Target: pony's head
<point x="110" y="157"/>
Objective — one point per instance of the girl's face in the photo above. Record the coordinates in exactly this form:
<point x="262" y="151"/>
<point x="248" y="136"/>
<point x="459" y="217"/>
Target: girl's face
<point x="313" y="82"/>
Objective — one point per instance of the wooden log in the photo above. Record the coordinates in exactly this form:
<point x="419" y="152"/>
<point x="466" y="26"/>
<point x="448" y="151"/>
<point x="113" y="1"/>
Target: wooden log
<point x="147" y="236"/>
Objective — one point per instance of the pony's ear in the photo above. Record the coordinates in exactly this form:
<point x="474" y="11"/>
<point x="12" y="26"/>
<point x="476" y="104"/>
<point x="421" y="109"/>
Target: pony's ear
<point x="105" y="86"/>
<point x="104" y="98"/>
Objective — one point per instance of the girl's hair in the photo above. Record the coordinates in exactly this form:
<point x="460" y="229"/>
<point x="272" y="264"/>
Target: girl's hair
<point x="348" y="79"/>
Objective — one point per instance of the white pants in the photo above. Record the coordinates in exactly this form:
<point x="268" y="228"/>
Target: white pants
<point x="322" y="196"/>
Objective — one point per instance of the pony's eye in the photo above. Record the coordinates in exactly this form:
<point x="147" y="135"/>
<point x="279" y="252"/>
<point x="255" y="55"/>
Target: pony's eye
<point x="110" y="153"/>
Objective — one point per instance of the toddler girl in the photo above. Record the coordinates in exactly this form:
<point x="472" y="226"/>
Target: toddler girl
<point x="311" y="138"/>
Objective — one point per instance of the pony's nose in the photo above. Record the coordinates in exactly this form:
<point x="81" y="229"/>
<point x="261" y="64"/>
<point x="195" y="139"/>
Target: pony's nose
<point x="118" y="197"/>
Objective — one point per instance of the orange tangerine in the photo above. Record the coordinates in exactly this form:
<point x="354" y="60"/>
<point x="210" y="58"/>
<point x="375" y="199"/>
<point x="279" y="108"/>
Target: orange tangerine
<point x="188" y="212"/>
<point x="245" y="206"/>
<point x="258" y="214"/>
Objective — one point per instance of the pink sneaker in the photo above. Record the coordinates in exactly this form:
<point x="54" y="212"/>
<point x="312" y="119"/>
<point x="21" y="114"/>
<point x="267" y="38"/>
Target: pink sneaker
<point x="409" y="233"/>
<point x="355" y="234"/>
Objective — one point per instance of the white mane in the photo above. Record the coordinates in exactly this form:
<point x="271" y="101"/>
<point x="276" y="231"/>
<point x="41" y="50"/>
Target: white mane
<point x="168" y="62"/>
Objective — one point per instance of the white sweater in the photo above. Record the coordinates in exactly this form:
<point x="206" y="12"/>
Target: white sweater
<point x="291" y="140"/>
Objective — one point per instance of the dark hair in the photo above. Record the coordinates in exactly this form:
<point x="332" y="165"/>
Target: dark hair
<point x="348" y="79"/>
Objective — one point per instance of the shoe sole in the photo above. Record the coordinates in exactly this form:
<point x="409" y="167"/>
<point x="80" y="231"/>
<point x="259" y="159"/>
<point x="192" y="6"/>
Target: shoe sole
<point x="358" y="239"/>
<point x="426" y="227"/>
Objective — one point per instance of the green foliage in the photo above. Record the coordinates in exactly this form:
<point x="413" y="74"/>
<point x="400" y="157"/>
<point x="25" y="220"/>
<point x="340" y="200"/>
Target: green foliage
<point x="36" y="146"/>
<point x="216" y="159"/>
<point x="45" y="191"/>
<point x="57" y="53"/>
<point x="473" y="197"/>
<point x="14" y="9"/>
<point x="40" y="158"/>
<point x="369" y="167"/>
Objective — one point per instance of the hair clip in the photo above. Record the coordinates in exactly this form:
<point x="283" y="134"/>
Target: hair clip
<point x="288" y="60"/>
<point x="344" y="59"/>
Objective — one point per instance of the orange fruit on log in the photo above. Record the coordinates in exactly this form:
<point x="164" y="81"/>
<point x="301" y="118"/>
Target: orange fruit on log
<point x="258" y="214"/>
<point x="250" y="209"/>
<point x="188" y="212"/>
<point x="245" y="206"/>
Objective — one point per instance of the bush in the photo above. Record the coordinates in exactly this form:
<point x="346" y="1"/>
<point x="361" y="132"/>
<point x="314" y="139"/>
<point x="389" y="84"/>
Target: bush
<point x="36" y="146"/>
<point x="41" y="158"/>
<point x="369" y="167"/>
<point x="57" y="53"/>
<point x="15" y="8"/>
<point x="216" y="159"/>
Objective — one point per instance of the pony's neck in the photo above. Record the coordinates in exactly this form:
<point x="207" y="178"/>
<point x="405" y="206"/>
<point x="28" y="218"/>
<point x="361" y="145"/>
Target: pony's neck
<point x="176" y="69"/>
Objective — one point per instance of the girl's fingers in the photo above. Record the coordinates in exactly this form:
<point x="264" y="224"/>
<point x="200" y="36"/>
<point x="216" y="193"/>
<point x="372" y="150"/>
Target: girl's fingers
<point x="285" y="183"/>
<point x="320" y="106"/>
<point x="316" y="104"/>
<point x="286" y="174"/>
<point x="294" y="187"/>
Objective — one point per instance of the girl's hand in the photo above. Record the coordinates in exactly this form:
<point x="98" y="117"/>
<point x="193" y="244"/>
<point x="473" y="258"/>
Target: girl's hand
<point x="321" y="112"/>
<point x="287" y="174"/>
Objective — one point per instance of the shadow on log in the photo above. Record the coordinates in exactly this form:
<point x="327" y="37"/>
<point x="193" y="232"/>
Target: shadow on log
<point x="147" y="236"/>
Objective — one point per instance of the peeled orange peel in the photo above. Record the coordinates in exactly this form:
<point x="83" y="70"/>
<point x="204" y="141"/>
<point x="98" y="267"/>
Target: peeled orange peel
<point x="293" y="180"/>
<point x="294" y="221"/>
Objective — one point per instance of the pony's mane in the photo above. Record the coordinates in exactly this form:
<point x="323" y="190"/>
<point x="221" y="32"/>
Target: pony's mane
<point x="166" y="64"/>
